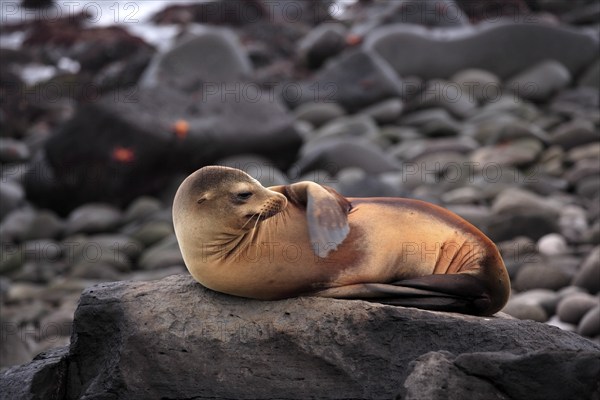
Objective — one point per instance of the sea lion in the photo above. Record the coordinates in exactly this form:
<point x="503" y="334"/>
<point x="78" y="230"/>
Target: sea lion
<point x="240" y="238"/>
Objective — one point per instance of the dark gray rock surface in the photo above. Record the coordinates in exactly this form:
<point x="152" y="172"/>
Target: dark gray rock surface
<point x="174" y="339"/>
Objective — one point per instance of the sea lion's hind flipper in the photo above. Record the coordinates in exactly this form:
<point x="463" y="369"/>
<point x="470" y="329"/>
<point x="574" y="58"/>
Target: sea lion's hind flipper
<point x="454" y="293"/>
<point x="326" y="215"/>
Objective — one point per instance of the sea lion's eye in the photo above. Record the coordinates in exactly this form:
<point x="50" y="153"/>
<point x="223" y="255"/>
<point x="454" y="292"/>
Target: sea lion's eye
<point x="244" y="195"/>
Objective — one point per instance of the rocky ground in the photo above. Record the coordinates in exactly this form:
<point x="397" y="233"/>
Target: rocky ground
<point x="490" y="111"/>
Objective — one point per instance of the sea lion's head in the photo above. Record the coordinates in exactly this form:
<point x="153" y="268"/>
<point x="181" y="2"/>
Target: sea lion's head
<point x="218" y="200"/>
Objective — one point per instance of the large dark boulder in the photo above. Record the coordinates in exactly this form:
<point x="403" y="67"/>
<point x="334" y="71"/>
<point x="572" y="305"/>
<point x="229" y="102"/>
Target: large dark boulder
<point x="126" y="145"/>
<point x="354" y="80"/>
<point x="415" y="50"/>
<point x="175" y="339"/>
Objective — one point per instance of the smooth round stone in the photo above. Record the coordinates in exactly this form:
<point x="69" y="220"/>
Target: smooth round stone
<point x="552" y="161"/>
<point x="534" y="276"/>
<point x="573" y="307"/>
<point x="395" y="134"/>
<point x="142" y="207"/>
<point x="588" y="151"/>
<point x="187" y="64"/>
<point x="93" y="218"/>
<point x="11" y="259"/>
<point x="547" y="299"/>
<point x="463" y="195"/>
<point x="582" y="169"/>
<point x="45" y="225"/>
<point x="79" y="249"/>
<point x="432" y="122"/>
<point x="573" y="223"/>
<point x="555" y="321"/>
<point x="515" y="199"/>
<point x="319" y="114"/>
<point x="480" y="85"/>
<point x="386" y="111"/>
<point x="591" y="76"/>
<point x="13" y="151"/>
<point x="587" y="275"/>
<point x="24" y="291"/>
<point x="95" y="271"/>
<point x="590" y="323"/>
<point x="163" y="254"/>
<point x="522" y="310"/>
<point x="356" y="126"/>
<point x="322" y="42"/>
<point x="592" y="235"/>
<point x="574" y="133"/>
<point x="152" y="232"/>
<point x="353" y="182"/>
<point x="449" y="96"/>
<point x="38" y="271"/>
<point x="503" y="127"/>
<point x="552" y="244"/>
<point x="41" y="250"/>
<point x="588" y="187"/>
<point x="58" y="322"/>
<point x="506" y="105"/>
<point x="116" y="242"/>
<point x="16" y="224"/>
<point x="539" y="82"/>
<point x="11" y="196"/>
<point x="517" y="153"/>
<point x="568" y="291"/>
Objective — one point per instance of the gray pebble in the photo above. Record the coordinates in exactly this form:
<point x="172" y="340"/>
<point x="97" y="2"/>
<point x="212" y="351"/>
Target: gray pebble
<point x="11" y="197"/>
<point x="540" y="81"/>
<point x="534" y="276"/>
<point x="45" y="225"/>
<point x="588" y="275"/>
<point x="572" y="308"/>
<point x="525" y="311"/>
<point x="552" y="244"/>
<point x="142" y="207"/>
<point x="547" y="299"/>
<point x="478" y="84"/>
<point x="448" y="95"/>
<point x="385" y="111"/>
<point x="318" y="114"/>
<point x="590" y="323"/>
<point x="588" y="151"/>
<point x="93" y="218"/>
<point x="591" y="76"/>
<point x="588" y="187"/>
<point x="151" y="232"/>
<point x="163" y="254"/>
<point x="322" y="42"/>
<point x="574" y="133"/>
<point x="127" y="245"/>
<point x="463" y="195"/>
<point x="573" y="223"/>
<point x="516" y="199"/>
<point x="517" y="153"/>
<point x="13" y="151"/>
<point x="99" y="271"/>
<point x="432" y="122"/>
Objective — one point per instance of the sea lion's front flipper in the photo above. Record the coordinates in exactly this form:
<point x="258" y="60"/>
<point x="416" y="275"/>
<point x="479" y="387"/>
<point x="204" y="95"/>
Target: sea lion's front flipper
<point x="457" y="292"/>
<point x="326" y="215"/>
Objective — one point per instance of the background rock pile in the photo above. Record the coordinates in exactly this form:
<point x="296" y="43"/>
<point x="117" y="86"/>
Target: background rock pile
<point x="490" y="110"/>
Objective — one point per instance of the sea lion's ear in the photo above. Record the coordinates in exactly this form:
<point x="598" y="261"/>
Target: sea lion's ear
<point x="326" y="215"/>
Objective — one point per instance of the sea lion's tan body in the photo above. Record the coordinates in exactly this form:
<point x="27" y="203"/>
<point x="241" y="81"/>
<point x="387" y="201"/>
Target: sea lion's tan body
<point x="313" y="241"/>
